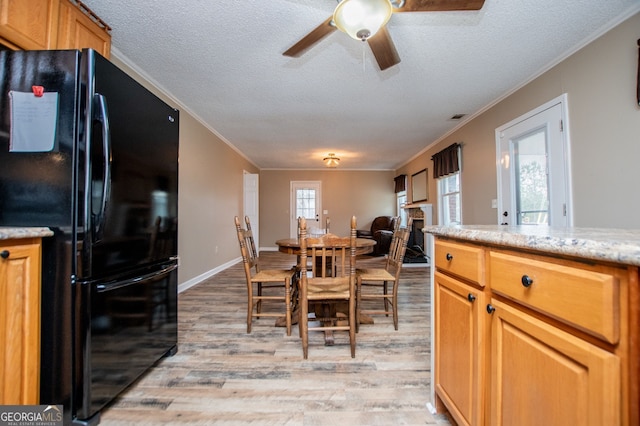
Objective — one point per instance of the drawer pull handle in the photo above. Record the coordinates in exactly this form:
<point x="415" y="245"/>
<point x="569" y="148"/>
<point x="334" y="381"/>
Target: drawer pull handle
<point x="5" y="254"/>
<point x="527" y="281"/>
<point x="449" y="257"/>
<point x="471" y="298"/>
<point x="490" y="309"/>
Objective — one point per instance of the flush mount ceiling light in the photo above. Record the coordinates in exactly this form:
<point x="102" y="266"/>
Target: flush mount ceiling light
<point x="331" y="160"/>
<point x="361" y="19"/>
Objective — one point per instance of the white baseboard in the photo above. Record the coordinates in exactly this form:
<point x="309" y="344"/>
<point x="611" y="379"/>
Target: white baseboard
<point x="197" y="280"/>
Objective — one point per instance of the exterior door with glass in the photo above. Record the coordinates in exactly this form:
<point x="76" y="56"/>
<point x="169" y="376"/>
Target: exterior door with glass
<point x="306" y="199"/>
<point x="533" y="168"/>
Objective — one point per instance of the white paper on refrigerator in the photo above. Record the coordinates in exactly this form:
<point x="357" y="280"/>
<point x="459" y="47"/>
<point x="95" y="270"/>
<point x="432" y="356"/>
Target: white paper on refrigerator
<point x="33" y="121"/>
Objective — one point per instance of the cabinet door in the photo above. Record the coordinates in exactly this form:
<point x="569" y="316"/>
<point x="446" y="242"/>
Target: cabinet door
<point x="459" y="353"/>
<point x="19" y="323"/>
<point x="29" y="24"/>
<point x="77" y="31"/>
<point x="541" y="375"/>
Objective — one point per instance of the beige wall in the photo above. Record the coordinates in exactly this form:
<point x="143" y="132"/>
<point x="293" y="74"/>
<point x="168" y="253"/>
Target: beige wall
<point x="604" y="125"/>
<point x="210" y="195"/>
<point x="365" y="194"/>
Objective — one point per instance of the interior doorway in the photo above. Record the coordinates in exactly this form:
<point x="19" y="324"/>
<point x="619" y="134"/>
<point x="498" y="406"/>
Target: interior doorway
<point x="251" y="203"/>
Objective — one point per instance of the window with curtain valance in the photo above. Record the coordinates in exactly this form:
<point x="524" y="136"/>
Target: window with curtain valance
<point x="401" y="183"/>
<point x="446" y="161"/>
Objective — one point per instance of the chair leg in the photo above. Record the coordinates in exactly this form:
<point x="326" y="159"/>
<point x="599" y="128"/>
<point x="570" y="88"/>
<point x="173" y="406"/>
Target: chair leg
<point x="358" y="302"/>
<point x="303" y="323"/>
<point x="395" y="304"/>
<point x="259" y="304"/>
<point x="287" y="302"/>
<point x="386" y="300"/>
<point x="353" y="320"/>
<point x="249" y="307"/>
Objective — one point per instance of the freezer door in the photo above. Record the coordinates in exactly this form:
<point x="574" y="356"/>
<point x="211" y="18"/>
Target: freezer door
<point x="128" y="325"/>
<point x="132" y="179"/>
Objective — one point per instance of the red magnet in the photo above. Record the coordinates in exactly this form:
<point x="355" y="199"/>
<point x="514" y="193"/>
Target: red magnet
<point x="38" y="90"/>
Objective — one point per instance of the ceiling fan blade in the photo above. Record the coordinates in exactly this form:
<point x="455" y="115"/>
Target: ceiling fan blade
<point x="320" y="32"/>
<point x="439" y="5"/>
<point x="383" y="49"/>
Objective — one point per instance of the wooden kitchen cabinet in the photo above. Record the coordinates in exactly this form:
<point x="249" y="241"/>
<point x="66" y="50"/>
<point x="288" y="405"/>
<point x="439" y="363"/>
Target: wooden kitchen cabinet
<point x="20" y="321"/>
<point x="462" y="260"/>
<point x="583" y="296"/>
<point x="547" y="340"/>
<point x="541" y="375"/>
<point x="52" y="24"/>
<point x="80" y="28"/>
<point x="29" y="24"/>
<point x="460" y="357"/>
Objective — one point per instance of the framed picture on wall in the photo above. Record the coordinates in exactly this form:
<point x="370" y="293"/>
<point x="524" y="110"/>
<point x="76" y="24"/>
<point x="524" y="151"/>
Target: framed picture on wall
<point x="419" y="186"/>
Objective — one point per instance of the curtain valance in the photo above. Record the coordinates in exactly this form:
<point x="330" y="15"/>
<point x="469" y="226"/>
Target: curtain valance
<point x="446" y="161"/>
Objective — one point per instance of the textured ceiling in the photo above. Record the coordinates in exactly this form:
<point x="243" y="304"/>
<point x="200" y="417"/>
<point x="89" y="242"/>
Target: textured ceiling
<point x="222" y="61"/>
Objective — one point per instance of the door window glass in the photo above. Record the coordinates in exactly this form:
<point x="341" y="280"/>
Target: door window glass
<point x="532" y="186"/>
<point x="306" y="203"/>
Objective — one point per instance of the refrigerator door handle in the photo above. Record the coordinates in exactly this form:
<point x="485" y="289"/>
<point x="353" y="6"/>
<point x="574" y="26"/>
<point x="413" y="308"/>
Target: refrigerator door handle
<point x="103" y="117"/>
<point x="137" y="280"/>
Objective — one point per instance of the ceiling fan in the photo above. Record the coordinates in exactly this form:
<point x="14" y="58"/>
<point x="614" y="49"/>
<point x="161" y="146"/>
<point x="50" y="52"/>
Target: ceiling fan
<point x="366" y="20"/>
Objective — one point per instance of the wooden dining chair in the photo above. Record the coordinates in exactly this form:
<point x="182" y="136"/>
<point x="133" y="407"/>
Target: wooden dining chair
<point x="277" y="282"/>
<point x="380" y="278"/>
<point x="330" y="280"/>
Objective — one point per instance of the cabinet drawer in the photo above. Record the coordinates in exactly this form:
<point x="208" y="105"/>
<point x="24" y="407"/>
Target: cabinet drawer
<point x="586" y="299"/>
<point x="462" y="260"/>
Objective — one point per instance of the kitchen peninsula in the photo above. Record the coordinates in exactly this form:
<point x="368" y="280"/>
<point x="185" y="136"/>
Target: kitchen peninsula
<point x="536" y="325"/>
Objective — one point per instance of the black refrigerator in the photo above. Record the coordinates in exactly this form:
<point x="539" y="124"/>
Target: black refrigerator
<point x="88" y="152"/>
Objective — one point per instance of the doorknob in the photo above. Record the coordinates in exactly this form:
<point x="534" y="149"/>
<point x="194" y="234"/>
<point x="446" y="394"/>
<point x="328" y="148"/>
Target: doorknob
<point x="505" y="214"/>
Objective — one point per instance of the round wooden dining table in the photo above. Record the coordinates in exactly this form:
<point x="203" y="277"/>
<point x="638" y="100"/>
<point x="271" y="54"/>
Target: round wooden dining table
<point x="292" y="246"/>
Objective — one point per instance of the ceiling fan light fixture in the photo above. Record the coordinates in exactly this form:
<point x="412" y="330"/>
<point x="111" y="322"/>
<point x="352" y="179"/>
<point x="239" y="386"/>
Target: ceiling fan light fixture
<point x="331" y="161"/>
<point x="361" y="19"/>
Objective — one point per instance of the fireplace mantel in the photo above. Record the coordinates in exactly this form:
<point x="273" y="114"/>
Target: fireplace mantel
<point x="420" y="211"/>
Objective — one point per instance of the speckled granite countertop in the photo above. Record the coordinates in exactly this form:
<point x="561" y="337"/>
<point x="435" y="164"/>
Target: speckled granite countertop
<point x="7" y="233"/>
<point x="612" y="245"/>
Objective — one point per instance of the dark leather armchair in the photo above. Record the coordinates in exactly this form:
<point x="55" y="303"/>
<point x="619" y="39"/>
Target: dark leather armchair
<point x="381" y="231"/>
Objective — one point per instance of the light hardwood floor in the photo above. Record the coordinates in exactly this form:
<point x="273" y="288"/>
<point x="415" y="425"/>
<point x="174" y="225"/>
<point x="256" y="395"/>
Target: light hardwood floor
<point x="222" y="375"/>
